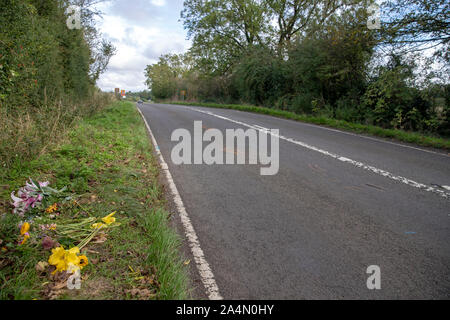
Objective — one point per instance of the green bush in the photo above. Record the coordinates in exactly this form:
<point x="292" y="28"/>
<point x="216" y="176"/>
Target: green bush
<point x="46" y="78"/>
<point x="261" y="77"/>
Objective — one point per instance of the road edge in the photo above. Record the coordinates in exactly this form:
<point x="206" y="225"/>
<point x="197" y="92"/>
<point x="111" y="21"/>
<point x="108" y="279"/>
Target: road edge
<point x="206" y="275"/>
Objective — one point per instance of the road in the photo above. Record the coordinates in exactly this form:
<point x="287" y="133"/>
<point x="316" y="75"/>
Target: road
<point x="311" y="231"/>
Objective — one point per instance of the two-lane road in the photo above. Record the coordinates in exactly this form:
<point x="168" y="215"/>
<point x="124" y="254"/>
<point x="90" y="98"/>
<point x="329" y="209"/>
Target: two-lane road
<point x="339" y="203"/>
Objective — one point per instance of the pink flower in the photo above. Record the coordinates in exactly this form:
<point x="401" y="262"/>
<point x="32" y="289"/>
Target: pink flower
<point x="43" y="184"/>
<point x="19" y="205"/>
<point x="28" y="196"/>
<point x="31" y="195"/>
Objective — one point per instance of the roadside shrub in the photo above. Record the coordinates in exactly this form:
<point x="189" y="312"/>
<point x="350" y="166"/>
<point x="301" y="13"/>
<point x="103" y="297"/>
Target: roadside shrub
<point x="45" y="77"/>
<point x="260" y="77"/>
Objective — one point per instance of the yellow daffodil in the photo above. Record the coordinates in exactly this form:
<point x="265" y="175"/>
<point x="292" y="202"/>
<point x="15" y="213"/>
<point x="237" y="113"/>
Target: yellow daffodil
<point x="57" y="259"/>
<point x="83" y="261"/>
<point x="24" y="228"/>
<point x="98" y="225"/>
<point x="72" y="260"/>
<point x="109" y="218"/>
<point x="25" y="238"/>
<point x="73" y="250"/>
<point x="67" y="259"/>
<point x="52" y="208"/>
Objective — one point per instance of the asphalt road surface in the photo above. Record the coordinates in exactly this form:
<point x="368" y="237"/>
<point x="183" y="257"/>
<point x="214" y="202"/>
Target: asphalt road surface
<point x="311" y="231"/>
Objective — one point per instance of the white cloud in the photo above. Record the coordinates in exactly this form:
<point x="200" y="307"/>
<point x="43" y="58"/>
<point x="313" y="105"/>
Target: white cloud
<point x="140" y="34"/>
<point x="159" y="3"/>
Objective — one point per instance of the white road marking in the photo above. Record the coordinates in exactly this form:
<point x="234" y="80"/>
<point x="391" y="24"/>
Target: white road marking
<point x="206" y="275"/>
<point x="353" y="134"/>
<point x="358" y="164"/>
<point x="372" y="138"/>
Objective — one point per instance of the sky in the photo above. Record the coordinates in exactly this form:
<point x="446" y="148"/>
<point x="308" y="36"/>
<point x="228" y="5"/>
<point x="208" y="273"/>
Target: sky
<point x="141" y="30"/>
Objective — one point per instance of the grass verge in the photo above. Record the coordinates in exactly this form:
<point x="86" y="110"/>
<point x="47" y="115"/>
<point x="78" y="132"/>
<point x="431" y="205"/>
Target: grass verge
<point x="400" y="135"/>
<point x="106" y="161"/>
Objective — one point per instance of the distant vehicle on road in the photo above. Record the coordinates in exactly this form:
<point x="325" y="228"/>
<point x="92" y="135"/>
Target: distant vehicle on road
<point x="140" y="102"/>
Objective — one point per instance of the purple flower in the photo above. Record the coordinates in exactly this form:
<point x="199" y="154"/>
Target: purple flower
<point x="48" y="243"/>
<point x="28" y="196"/>
<point x="31" y="195"/>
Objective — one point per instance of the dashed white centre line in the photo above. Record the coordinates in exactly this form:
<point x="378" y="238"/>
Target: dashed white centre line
<point x="358" y="164"/>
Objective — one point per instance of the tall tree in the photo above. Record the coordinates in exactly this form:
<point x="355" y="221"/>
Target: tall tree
<point x="297" y="16"/>
<point x="223" y="30"/>
<point x="412" y="25"/>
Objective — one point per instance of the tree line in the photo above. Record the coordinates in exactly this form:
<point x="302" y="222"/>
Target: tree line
<point x="144" y="95"/>
<point x="316" y="57"/>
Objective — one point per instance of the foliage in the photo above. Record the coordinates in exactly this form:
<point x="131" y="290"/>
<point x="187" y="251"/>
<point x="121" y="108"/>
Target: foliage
<point x="47" y="74"/>
<point x="222" y="30"/>
<point x="315" y="57"/>
<point x="417" y="22"/>
<point x="162" y="76"/>
<point x="144" y="95"/>
<point x="261" y="77"/>
<point x="394" y="103"/>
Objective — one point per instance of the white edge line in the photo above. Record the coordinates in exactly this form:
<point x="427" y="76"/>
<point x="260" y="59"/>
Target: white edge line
<point x="206" y="275"/>
<point x="358" y="164"/>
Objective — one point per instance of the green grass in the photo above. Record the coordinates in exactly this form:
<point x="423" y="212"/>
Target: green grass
<point x="400" y="135"/>
<point x="107" y="161"/>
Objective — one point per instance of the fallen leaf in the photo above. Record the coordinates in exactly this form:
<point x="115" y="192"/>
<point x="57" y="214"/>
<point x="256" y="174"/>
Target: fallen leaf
<point x="41" y="266"/>
<point x="59" y="285"/>
<point x="141" y="293"/>
<point x="99" y="240"/>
